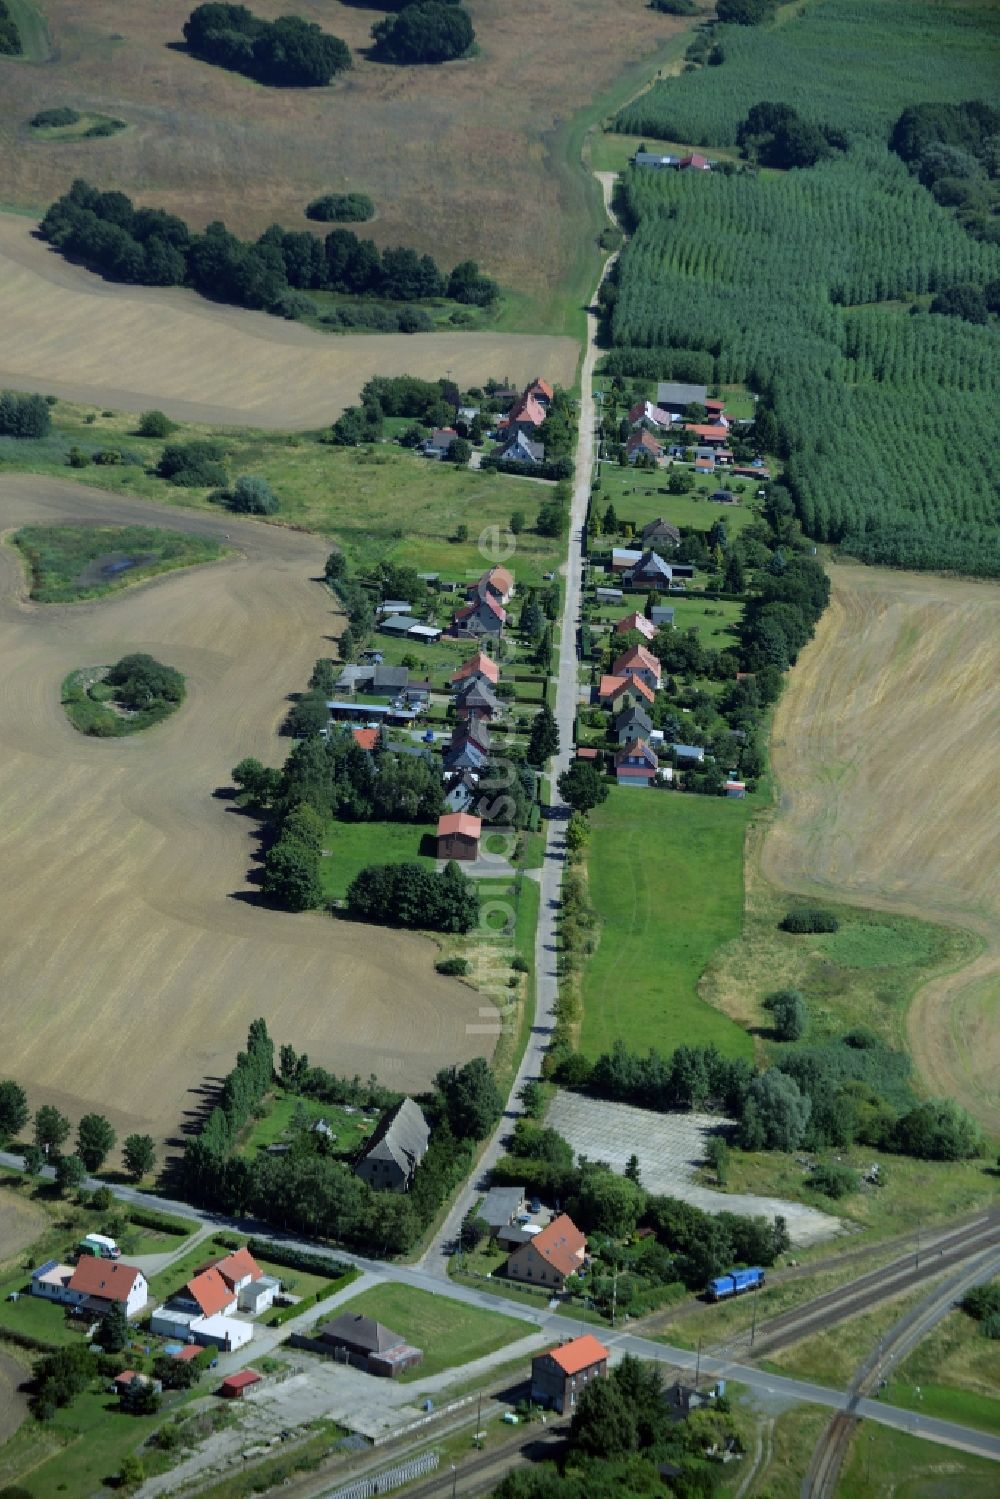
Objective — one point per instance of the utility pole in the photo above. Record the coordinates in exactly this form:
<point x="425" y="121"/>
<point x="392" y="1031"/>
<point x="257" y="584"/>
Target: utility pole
<point x="917" y="1265"/>
<point x="697" y="1367"/>
<point x="614" y="1296"/>
<point x="479" y="1423"/>
<point x="753" y="1324"/>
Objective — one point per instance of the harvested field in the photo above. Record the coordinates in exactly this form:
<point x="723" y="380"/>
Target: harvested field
<point x="465" y="159"/>
<point x="132" y="954"/>
<point x="65" y="331"/>
<point x="885" y="751"/>
<point x="13" y="1402"/>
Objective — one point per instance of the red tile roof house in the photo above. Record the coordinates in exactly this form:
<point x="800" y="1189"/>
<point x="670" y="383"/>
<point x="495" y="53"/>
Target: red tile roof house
<point x="541" y="390"/>
<point x="479" y="665"/>
<point x="619" y="693"/>
<point x="458" y="835"/>
<point x="636" y="764"/>
<point x="715" y="408"/>
<point x="484" y="617"/>
<point x="525" y="415"/>
<point x="643" y="443"/>
<point x="638" y="662"/>
<point x="646" y="414"/>
<point x="216" y="1288"/>
<point x="558" y="1376"/>
<point x="694" y="163"/>
<point x="497" y="582"/>
<point x="366" y="739"/>
<point x="551" y="1257"/>
<point x="635" y="621"/>
<point x="97" y="1284"/>
<point x="475" y="699"/>
<point x="715" y="436"/>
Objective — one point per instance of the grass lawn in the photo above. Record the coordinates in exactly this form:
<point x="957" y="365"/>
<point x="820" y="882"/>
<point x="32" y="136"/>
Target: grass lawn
<point x="354" y="845"/>
<point x="69" y="563"/>
<point x="952" y="1375"/>
<point x="666" y="876"/>
<point x="34" y="1316"/>
<point x="350" y="1129"/>
<point x="714" y="619"/>
<point x="449" y="1333"/>
<point x="641" y="497"/>
<point x="169" y="1281"/>
<point x="885" y="1462"/>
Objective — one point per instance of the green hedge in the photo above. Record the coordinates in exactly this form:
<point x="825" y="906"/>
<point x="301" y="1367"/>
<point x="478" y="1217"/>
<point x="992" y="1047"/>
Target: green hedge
<point x="163" y="1222"/>
<point x="297" y="1259"/>
<point x="286" y="1313"/>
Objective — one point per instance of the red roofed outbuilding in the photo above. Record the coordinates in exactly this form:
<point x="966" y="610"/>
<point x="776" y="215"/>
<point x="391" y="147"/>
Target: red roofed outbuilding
<point x="234" y="1385"/>
<point x="558" y="1376"/>
<point x="458" y="835"/>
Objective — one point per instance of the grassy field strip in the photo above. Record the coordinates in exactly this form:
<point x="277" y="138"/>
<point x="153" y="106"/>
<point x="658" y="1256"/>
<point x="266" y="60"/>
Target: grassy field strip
<point x="449" y="1332"/>
<point x="666" y="879"/>
<point x="36" y="42"/>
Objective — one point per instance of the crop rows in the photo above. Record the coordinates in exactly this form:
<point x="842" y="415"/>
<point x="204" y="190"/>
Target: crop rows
<point x="839" y="62"/>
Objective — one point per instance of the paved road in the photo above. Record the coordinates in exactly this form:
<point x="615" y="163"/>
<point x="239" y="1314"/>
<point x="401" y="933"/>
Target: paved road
<point x="435" y="1261"/>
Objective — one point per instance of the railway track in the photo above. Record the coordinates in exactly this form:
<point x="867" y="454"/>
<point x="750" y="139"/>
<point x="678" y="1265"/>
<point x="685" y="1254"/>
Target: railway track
<point x="895" y="1279"/>
<point x="823" y="1474"/>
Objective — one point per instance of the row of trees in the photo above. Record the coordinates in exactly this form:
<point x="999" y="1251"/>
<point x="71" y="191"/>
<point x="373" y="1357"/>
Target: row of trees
<point x="150" y="247"/>
<point x="410" y="895"/>
<point x="95" y="1139"/>
<point x="288" y="52"/>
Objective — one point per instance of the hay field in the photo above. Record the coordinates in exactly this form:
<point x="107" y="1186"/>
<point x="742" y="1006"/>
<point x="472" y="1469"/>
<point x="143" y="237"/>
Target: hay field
<point x="885" y="746"/>
<point x="132" y="957"/>
<point x="21" y="1222"/>
<point x="66" y="332"/>
<point x="461" y="160"/>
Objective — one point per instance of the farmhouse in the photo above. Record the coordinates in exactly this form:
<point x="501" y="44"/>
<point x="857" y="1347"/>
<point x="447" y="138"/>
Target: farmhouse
<point x="551" y="1257"/>
<point x="478" y="666"/>
<point x="635" y="621"/>
<point x="643" y="445"/>
<point x="542" y="392"/>
<point x="675" y="398"/>
<point x="368" y="1345"/>
<point x="633" y="724"/>
<point x="660" y="533"/>
<point x="396" y="1148"/>
<point x="458" y="835"/>
<point x="93" y="1284"/>
<point x="651" y="160"/>
<point x="640" y="663"/>
<point x="636" y="764"/>
<point x="558" y="1376"/>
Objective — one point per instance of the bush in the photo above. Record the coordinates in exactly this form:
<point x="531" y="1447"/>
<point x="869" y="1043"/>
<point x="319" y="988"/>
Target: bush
<point x="252" y="495"/>
<point x="341" y="208"/>
<point x="809" y="919"/>
<point x="193" y="465"/>
<point x="833" y="1180"/>
<point x="155" y="424"/>
<point x="452" y="967"/>
<point x="55" y="119"/>
<point x="288" y="52"/>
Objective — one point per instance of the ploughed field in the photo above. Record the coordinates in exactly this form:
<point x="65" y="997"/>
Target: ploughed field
<point x="64" y="330"/>
<point x="885" y="752"/>
<point x="132" y="955"/>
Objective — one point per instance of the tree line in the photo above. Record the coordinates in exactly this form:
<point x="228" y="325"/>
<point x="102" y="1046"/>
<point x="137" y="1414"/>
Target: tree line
<point x="288" y="52"/>
<point x="149" y="247"/>
<point x="827" y="1094"/>
<point x="95" y="1140"/>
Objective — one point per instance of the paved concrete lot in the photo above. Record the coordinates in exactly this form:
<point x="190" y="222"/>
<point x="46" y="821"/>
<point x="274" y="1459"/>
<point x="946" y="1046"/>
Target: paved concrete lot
<point x="670" y="1148"/>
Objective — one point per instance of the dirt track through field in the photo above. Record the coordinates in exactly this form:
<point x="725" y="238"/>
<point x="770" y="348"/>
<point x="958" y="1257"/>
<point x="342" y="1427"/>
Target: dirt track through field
<point x="67" y="332"/>
<point x="132" y="958"/>
<point x="885" y="749"/>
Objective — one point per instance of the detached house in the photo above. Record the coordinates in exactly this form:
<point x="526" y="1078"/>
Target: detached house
<point x="542" y="392"/>
<point x="92" y="1284"/>
<point x="633" y="724"/>
<point x="650" y="572"/>
<point x="643" y="445"/>
<point x="660" y="533"/>
<point x="525" y="415"/>
<point x="640" y="663"/>
<point x="645" y="414"/>
<point x="478" y="667"/>
<point x="476" y="699"/>
<point x="521" y="449"/>
<point x="396" y="1149"/>
<point x="439" y="442"/>
<point x="483" y="617"/>
<point x="551" y="1257"/>
<point x="712" y="436"/>
<point x="635" y="621"/>
<point x="498" y="583"/>
<point x="619" y="693"/>
<point x="558" y="1376"/>
<point x="636" y="764"/>
<point x="458" y="835"/>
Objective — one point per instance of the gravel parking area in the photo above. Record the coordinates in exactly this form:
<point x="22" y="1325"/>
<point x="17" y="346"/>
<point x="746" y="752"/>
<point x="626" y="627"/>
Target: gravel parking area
<point x="670" y="1148"/>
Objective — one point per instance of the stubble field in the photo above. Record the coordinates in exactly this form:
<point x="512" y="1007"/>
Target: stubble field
<point x="885" y="751"/>
<point x="67" y="332"/>
<point x="132" y="955"/>
<point x="462" y="159"/>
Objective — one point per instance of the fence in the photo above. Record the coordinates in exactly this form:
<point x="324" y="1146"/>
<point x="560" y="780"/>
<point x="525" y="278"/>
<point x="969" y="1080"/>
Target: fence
<point x="392" y="1478"/>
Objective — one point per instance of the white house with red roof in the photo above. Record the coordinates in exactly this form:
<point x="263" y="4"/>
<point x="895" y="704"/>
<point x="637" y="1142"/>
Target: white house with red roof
<point x="637" y="661"/>
<point x="695" y="162"/>
<point x="643" y="444"/>
<point x="525" y="415"/>
<point x="635" y="621"/>
<point x="94" y="1284"/>
<point x="645" y="414"/>
<point x="619" y="693"/>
